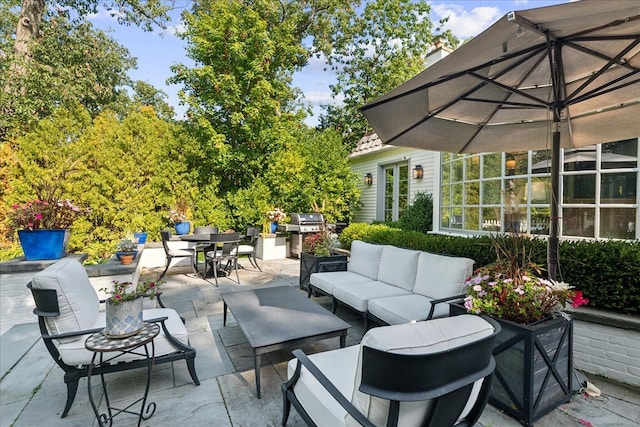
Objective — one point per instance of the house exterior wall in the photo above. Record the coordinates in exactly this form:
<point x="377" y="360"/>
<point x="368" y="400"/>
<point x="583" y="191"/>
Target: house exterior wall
<point x="374" y="163"/>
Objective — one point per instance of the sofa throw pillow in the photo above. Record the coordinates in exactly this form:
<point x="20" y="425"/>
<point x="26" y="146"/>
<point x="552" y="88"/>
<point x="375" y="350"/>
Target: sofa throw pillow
<point x="441" y="276"/>
<point x="365" y="258"/>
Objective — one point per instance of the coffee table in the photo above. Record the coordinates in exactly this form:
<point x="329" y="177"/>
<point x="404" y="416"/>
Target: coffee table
<point x="280" y="317"/>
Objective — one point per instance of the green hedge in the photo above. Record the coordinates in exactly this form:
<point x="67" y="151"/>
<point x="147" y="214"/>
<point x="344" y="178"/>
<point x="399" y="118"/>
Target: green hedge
<point x="608" y="272"/>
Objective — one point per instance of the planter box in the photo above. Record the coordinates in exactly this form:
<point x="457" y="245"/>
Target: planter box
<point x="533" y="368"/>
<point x="44" y="244"/>
<point x="272" y="246"/>
<point x="310" y="264"/>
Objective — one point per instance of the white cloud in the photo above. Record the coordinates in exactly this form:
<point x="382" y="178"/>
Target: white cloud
<point x="466" y="23"/>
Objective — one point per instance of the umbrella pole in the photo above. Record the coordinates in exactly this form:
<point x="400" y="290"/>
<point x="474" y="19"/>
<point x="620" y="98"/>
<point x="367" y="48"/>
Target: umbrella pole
<point x="552" y="251"/>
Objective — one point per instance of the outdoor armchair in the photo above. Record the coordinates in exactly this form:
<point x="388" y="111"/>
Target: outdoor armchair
<point x="250" y="246"/>
<point x="68" y="310"/>
<point x="434" y="373"/>
<point x="223" y="255"/>
<point x="171" y="253"/>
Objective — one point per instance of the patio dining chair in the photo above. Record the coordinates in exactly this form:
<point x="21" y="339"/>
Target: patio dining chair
<point x="250" y="246"/>
<point x="202" y="248"/>
<point x="436" y="373"/>
<point x="172" y="252"/>
<point x="224" y="254"/>
<point x="68" y="310"/>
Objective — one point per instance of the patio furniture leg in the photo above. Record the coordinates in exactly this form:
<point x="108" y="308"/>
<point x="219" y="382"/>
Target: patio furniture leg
<point x="72" y="388"/>
<point x="286" y="406"/>
<point x="168" y="263"/>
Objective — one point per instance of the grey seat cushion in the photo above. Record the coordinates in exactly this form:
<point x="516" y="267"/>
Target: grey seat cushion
<point x="357" y="295"/>
<point x="400" y="309"/>
<point x="326" y="281"/>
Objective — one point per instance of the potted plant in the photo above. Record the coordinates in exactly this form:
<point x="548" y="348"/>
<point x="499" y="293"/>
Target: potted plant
<point x="274" y="216"/>
<point x="534" y="349"/>
<point x="127" y="251"/>
<point x="178" y="216"/>
<point x="319" y="253"/>
<point x="44" y="227"/>
<point x="124" y="307"/>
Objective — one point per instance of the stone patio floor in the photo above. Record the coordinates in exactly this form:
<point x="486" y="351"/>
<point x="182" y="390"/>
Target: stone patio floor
<point x="32" y="391"/>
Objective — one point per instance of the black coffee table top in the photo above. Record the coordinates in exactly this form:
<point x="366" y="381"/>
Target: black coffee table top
<point x="277" y="315"/>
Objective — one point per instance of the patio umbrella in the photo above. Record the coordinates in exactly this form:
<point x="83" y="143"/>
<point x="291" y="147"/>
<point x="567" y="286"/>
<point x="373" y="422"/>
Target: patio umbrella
<point x="554" y="77"/>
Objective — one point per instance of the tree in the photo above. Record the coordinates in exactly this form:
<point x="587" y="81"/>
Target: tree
<point x="71" y="63"/>
<point x="376" y="51"/>
<point x="246" y="53"/>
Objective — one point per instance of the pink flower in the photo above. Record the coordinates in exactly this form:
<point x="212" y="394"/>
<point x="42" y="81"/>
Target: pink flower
<point x="578" y="300"/>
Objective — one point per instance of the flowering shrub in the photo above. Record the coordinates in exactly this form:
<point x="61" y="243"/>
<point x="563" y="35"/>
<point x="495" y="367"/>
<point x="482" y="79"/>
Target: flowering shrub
<point x="125" y="291"/>
<point x="321" y="244"/>
<point x="523" y="299"/>
<point x="276" y="215"/>
<point x="54" y="214"/>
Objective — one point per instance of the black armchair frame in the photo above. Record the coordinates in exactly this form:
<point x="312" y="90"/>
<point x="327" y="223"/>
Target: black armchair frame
<point x="46" y="301"/>
<point x="414" y="378"/>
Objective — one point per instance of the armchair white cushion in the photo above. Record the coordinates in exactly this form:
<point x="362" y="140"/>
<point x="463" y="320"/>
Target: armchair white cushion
<point x="365" y="259"/>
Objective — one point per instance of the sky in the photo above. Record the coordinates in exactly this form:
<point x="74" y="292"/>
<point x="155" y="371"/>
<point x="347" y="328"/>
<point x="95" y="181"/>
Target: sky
<point x="157" y="51"/>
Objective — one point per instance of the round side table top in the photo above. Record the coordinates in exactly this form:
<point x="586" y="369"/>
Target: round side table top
<point x="102" y="343"/>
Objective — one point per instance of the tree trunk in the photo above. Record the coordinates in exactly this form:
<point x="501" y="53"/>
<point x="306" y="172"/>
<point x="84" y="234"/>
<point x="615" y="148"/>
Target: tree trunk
<point x="28" y="27"/>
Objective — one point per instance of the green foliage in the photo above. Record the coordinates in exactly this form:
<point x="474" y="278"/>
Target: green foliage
<point x="72" y="63"/>
<point x="419" y="215"/>
<point x="130" y="172"/>
<point x="373" y="53"/>
<point x="605" y="271"/>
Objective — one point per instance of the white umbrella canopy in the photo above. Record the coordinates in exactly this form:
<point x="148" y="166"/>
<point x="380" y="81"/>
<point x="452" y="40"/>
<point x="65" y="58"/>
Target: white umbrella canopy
<point x="554" y="77"/>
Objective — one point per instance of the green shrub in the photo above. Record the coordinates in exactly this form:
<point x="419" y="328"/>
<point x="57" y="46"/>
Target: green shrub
<point x="419" y="215"/>
<point x="608" y="272"/>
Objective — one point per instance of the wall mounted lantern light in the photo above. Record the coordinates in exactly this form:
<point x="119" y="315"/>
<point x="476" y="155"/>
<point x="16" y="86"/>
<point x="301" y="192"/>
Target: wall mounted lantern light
<point x="368" y="179"/>
<point x="510" y="164"/>
<point x="418" y="172"/>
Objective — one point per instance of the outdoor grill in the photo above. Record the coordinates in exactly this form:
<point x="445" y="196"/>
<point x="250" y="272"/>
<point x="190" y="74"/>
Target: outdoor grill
<point x="300" y="227"/>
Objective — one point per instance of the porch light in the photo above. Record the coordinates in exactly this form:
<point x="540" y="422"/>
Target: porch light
<point x="368" y="179"/>
<point x="418" y="172"/>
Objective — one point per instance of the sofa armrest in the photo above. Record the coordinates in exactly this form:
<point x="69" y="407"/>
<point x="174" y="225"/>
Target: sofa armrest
<point x="434" y="302"/>
<point x="303" y="360"/>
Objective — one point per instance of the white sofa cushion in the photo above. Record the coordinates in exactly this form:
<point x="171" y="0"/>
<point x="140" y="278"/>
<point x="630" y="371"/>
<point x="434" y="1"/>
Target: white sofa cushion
<point x="440" y="276"/>
<point x="327" y="280"/>
<point x="340" y="367"/>
<point x="414" y="338"/>
<point x="405" y="308"/>
<point x="365" y="258"/>
<point x="77" y="300"/>
<point x="358" y="294"/>
<point x="74" y="353"/>
<point x="398" y="267"/>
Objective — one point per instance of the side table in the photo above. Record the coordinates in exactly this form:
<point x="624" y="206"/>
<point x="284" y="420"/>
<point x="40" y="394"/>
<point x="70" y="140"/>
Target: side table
<point x="100" y="344"/>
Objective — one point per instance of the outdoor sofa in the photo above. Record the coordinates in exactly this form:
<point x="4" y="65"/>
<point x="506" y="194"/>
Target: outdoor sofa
<point x="391" y="285"/>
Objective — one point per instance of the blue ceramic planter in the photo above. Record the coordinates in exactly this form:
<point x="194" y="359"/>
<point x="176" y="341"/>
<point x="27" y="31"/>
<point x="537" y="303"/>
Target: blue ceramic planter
<point x="120" y="253"/>
<point x="44" y="244"/>
<point x="274" y="227"/>
<point x="142" y="237"/>
<point x="183" y="227"/>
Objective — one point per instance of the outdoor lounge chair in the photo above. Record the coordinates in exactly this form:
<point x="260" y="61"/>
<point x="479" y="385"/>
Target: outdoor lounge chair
<point x="68" y="311"/>
<point x="433" y="373"/>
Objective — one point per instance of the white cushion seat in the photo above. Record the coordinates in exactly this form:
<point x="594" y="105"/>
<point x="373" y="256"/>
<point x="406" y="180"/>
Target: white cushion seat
<point x="326" y="281"/>
<point x="400" y="309"/>
<point x="357" y="295"/>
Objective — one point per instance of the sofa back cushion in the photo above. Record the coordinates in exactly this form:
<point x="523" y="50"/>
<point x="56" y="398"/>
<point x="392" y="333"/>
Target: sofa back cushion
<point x="398" y="267"/>
<point x="440" y="276"/>
<point x="413" y="338"/>
<point x="77" y="300"/>
<point x="365" y="258"/>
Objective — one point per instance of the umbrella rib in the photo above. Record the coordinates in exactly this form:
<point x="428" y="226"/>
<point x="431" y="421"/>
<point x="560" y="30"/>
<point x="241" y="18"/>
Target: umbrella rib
<point x="603" y="69"/>
<point x="532" y="51"/>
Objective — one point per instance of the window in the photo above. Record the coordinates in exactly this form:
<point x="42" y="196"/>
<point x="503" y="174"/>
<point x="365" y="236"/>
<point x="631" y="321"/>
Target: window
<point x="512" y="191"/>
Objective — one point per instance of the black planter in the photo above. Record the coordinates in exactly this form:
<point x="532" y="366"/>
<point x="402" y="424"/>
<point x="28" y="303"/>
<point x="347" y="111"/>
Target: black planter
<point x="310" y="264"/>
<point x="534" y="368"/>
